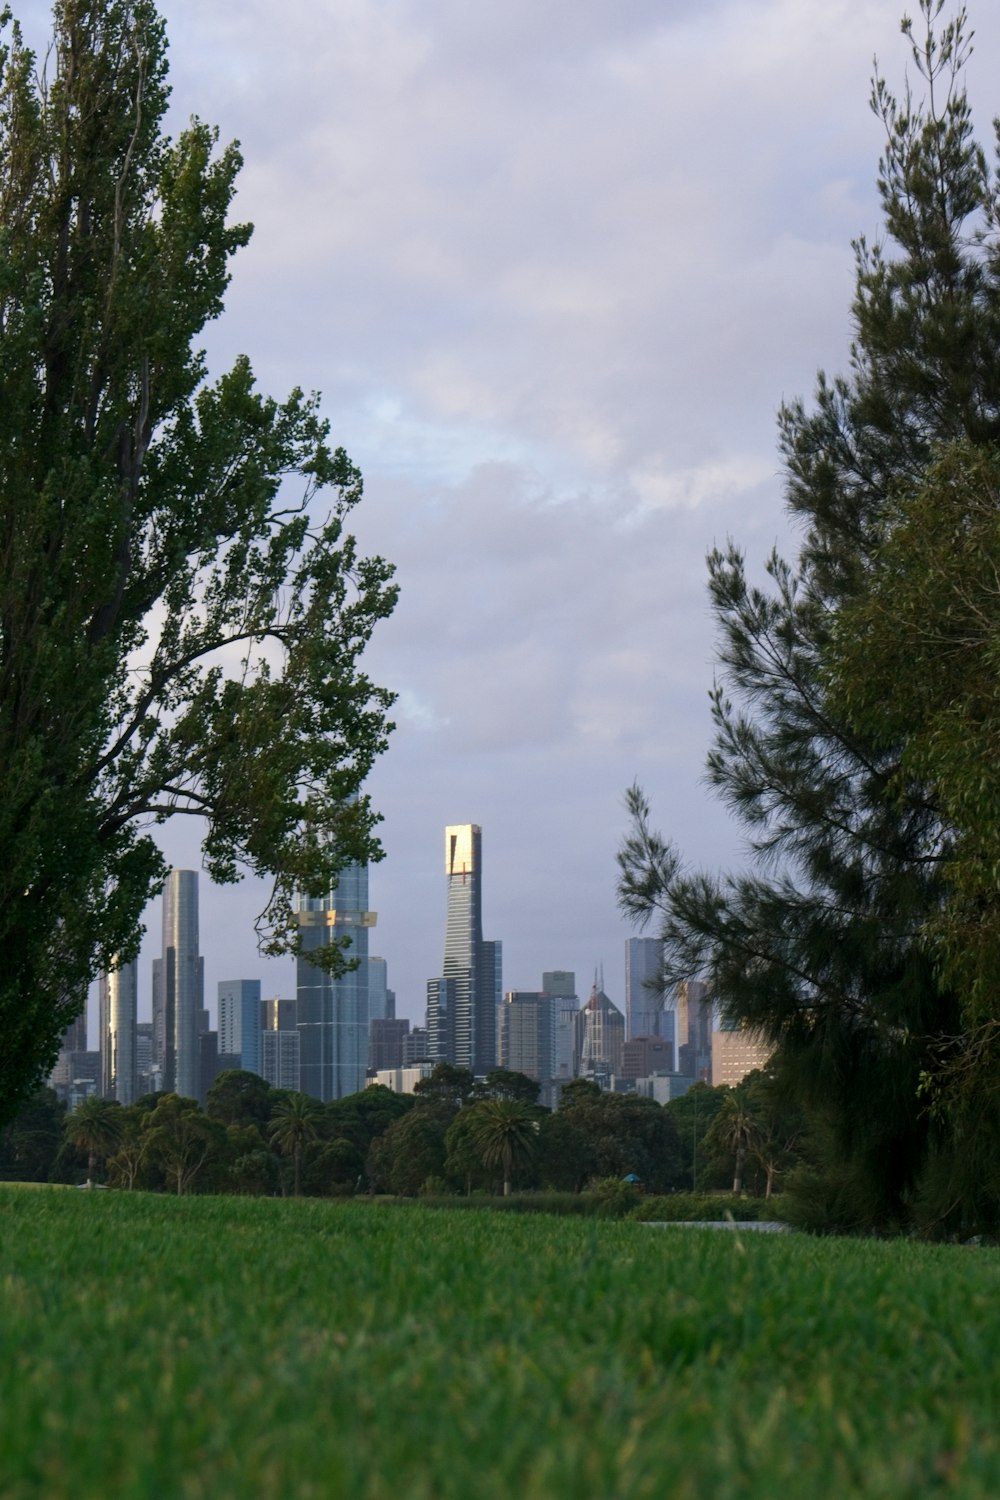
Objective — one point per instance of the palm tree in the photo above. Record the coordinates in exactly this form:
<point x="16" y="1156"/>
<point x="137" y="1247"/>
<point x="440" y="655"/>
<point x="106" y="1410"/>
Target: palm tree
<point x="505" y="1133"/>
<point x="734" y="1129"/>
<point x="96" y="1126"/>
<point x="294" y="1125"/>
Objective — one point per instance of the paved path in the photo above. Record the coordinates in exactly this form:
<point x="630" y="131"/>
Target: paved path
<point x="760" y="1226"/>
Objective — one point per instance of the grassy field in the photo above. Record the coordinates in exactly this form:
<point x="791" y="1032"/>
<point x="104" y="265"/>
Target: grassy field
<point x="219" y="1348"/>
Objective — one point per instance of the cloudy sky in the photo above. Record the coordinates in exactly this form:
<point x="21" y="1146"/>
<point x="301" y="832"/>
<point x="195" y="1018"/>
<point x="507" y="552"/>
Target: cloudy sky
<point x="553" y="264"/>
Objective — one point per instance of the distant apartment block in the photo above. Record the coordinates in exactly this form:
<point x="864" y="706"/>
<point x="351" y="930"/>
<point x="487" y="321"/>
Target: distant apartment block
<point x="416" y="1046"/>
<point x="239" y="1021"/>
<point x="645" y="1055"/>
<point x="526" y="1035"/>
<point x="385" y="1043"/>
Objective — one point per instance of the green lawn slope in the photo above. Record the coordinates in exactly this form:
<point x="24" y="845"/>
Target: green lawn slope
<point x="220" y="1348"/>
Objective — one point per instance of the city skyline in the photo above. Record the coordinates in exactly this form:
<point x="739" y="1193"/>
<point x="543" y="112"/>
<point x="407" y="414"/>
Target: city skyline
<point x="589" y="252"/>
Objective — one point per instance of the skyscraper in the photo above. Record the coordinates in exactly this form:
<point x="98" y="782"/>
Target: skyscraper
<point x="643" y="1001"/>
<point x="381" y="999"/>
<point x="462" y="1002"/>
<point x="118" y="1000"/>
<point x="333" y="1013"/>
<point x="561" y="985"/>
<point x="178" y="987"/>
<point x="601" y="1035"/>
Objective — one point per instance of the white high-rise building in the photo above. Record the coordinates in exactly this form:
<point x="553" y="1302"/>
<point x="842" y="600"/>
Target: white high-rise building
<point x="118" y="1001"/>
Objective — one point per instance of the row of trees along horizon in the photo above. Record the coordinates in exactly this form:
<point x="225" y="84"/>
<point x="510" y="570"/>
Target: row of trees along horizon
<point x="454" y="1134"/>
<point x="149" y="515"/>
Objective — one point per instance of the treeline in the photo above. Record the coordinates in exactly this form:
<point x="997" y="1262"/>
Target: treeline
<point x="454" y="1135"/>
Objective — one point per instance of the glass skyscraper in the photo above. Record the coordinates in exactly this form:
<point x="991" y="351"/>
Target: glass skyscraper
<point x="644" y="1011"/>
<point x="462" y="1002"/>
<point x="239" y="1021"/>
<point x="333" y="1013"/>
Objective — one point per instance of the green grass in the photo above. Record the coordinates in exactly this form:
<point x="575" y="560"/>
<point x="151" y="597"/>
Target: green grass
<point x="216" y="1348"/>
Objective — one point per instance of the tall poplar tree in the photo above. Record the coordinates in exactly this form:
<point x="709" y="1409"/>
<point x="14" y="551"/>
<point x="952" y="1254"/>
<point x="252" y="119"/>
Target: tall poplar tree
<point x="181" y="610"/>
<point x="821" y="943"/>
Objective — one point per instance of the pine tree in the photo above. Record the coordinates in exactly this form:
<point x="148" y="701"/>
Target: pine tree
<point x="821" y="944"/>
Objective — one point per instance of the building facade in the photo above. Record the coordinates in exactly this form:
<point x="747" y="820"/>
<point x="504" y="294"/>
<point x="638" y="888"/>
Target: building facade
<point x="333" y="1012"/>
<point x="735" y="1053"/>
<point x="526" y="1034"/>
<point x="118" y="1016"/>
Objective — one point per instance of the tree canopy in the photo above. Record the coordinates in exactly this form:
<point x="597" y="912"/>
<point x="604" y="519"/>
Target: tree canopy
<point x="182" y="612"/>
<point x="835" y="745"/>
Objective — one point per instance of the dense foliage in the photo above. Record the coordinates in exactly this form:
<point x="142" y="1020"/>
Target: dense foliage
<point x="256" y="1140"/>
<point x="855" y="713"/>
<point x="181" y="611"/>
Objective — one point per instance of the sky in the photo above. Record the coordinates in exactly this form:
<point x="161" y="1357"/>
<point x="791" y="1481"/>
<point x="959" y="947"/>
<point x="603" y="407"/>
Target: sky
<point x="554" y="267"/>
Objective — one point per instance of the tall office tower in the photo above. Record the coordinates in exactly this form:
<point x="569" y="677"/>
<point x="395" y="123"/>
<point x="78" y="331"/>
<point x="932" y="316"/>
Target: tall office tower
<point x="333" y="1013"/>
<point x="239" y="1021"/>
<point x="601" y="1032"/>
<point x="526" y="1034"/>
<point x="643" y="999"/>
<point x="118" y="1002"/>
<point x="381" y="999"/>
<point x="179" y="987"/>
<point x="462" y="1003"/>
<point x="694" y="1030"/>
<point x="145" y="1073"/>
